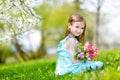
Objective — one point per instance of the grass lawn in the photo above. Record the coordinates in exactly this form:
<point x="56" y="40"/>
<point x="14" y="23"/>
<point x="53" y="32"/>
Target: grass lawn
<point x="43" y="69"/>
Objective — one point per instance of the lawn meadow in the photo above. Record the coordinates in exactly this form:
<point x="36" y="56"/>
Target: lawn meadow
<point x="43" y="69"/>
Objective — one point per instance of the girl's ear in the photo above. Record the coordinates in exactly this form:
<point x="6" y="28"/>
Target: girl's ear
<point x="69" y="25"/>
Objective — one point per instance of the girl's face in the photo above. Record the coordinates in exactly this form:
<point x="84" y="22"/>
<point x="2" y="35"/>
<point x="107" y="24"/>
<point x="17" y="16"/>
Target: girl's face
<point x="77" y="28"/>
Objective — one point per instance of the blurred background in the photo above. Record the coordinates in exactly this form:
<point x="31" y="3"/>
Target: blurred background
<point x="32" y="29"/>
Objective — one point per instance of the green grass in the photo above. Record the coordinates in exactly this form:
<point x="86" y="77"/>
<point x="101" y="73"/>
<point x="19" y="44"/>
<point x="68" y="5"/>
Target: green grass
<point x="44" y="69"/>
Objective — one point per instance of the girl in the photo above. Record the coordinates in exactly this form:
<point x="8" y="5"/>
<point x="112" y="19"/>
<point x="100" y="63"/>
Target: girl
<point x="66" y="62"/>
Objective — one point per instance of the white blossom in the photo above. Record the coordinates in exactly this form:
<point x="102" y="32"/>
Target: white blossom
<point x="17" y="17"/>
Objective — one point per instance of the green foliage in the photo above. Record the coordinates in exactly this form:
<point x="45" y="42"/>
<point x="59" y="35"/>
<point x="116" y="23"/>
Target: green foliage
<point x="15" y="13"/>
<point x="5" y="52"/>
<point x="76" y="55"/>
<point x="1" y="25"/>
<point x="55" y="19"/>
<point x="44" y="69"/>
<point x="79" y="46"/>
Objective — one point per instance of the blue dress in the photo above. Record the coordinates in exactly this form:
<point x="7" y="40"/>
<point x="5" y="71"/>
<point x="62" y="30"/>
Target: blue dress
<point x="64" y="64"/>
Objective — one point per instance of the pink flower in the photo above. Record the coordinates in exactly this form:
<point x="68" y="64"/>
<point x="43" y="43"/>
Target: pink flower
<point x="86" y="52"/>
<point x="88" y="58"/>
<point x="92" y="54"/>
<point x="79" y="50"/>
<point x="87" y="47"/>
<point x="95" y="54"/>
<point x="81" y="55"/>
<point x="94" y="48"/>
<point x="87" y="44"/>
<point x="77" y="42"/>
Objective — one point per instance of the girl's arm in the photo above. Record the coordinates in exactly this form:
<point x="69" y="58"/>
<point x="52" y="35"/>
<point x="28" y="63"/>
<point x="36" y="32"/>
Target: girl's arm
<point x="71" y="45"/>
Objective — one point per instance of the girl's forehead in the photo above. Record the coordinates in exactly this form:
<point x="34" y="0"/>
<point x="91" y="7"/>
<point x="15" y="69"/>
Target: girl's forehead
<point x="79" y="24"/>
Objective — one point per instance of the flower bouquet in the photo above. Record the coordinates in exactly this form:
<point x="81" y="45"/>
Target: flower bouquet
<point x="86" y="52"/>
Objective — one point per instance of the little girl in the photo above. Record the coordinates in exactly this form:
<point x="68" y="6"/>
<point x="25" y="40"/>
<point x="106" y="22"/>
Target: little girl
<point x="66" y="49"/>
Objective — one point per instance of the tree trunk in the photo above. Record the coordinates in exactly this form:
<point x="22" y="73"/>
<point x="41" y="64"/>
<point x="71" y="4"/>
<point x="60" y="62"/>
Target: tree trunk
<point x="18" y="48"/>
<point x="42" y="50"/>
<point x="1" y="60"/>
<point x="77" y="4"/>
<point x="33" y="56"/>
<point x="97" y="25"/>
<point x="96" y="29"/>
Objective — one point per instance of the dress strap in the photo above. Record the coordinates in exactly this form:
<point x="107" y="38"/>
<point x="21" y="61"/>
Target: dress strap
<point x="69" y="36"/>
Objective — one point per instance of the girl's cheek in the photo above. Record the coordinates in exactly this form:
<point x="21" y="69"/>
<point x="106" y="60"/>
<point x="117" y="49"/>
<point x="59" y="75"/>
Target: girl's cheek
<point x="74" y="29"/>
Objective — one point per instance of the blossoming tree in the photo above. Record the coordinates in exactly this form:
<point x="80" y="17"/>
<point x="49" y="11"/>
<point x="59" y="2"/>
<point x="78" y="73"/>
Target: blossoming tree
<point x="16" y="18"/>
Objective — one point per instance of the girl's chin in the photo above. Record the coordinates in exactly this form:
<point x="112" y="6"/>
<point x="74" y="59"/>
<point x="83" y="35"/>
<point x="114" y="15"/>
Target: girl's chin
<point x="77" y="35"/>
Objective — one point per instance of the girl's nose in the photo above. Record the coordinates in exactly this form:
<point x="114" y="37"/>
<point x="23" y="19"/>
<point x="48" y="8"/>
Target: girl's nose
<point x="79" y="31"/>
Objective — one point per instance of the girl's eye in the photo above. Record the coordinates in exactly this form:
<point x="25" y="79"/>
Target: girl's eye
<point x="82" y="28"/>
<point x="77" y="26"/>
